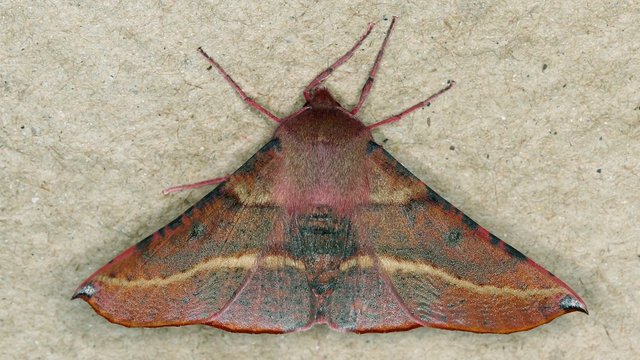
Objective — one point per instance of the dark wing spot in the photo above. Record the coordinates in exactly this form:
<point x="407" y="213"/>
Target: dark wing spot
<point x="455" y="304"/>
<point x="403" y="170"/>
<point x="494" y="239"/>
<point x="453" y="237"/>
<point x="207" y="198"/>
<point x="470" y="223"/>
<point x="410" y="212"/>
<point x="371" y="147"/>
<point x="143" y="245"/>
<point x="175" y="223"/>
<point x="437" y="199"/>
<point x="273" y="144"/>
<point x="197" y="231"/>
<point x="514" y="253"/>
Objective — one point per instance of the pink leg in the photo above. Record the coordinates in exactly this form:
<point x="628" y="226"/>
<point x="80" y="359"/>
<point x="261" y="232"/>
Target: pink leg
<point x="194" y="185"/>
<point x="413" y="108"/>
<point x="367" y="85"/>
<point x="315" y="83"/>
<point x="237" y="88"/>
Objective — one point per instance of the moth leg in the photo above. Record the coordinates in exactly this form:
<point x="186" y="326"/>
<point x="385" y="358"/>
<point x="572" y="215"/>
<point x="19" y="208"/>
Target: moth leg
<point x="315" y="83"/>
<point x="195" y="185"/>
<point x="374" y="69"/>
<point x="427" y="102"/>
<point x="239" y="90"/>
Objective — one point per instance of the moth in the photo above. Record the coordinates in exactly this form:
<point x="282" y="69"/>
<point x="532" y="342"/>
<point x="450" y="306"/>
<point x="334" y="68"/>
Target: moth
<point x="323" y="226"/>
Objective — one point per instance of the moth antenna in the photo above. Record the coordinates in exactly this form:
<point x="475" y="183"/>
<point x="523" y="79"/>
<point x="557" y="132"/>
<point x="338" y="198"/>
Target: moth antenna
<point x="374" y="70"/>
<point x="427" y="102"/>
<point x="315" y="83"/>
<point x="195" y="185"/>
<point x="239" y="90"/>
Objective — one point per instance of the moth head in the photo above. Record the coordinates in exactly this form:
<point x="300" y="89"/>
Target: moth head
<point x="321" y="97"/>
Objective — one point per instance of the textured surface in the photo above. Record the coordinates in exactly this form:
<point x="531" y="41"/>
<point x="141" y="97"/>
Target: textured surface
<point x="103" y="106"/>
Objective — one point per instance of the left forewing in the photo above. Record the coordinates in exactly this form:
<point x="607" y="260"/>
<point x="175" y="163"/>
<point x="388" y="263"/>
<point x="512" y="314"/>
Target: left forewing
<point x="211" y="265"/>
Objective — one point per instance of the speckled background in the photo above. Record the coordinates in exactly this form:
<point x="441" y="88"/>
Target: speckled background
<point x="103" y="106"/>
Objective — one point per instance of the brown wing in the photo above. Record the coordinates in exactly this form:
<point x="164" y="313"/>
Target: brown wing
<point x="443" y="269"/>
<point x="215" y="264"/>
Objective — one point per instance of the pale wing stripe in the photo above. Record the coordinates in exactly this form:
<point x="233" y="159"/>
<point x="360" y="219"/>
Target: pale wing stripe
<point x="364" y="262"/>
<point x="246" y="261"/>
<point x="392" y="265"/>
